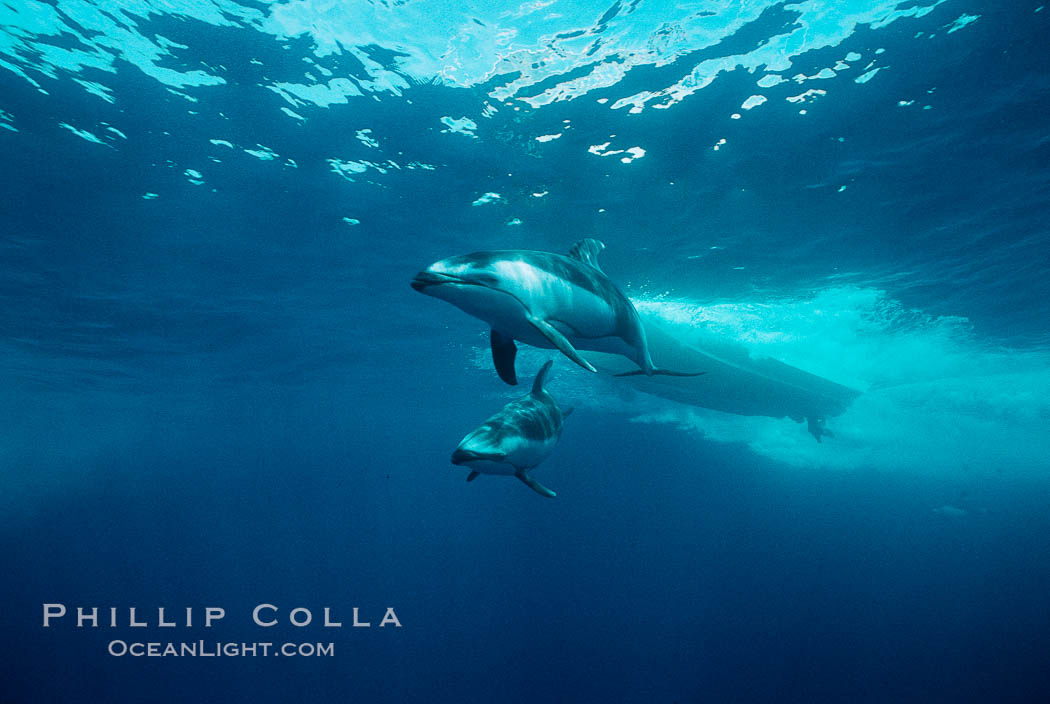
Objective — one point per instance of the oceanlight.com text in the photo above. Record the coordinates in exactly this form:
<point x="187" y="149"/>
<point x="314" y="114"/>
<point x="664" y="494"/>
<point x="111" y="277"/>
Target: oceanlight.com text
<point x="212" y="649"/>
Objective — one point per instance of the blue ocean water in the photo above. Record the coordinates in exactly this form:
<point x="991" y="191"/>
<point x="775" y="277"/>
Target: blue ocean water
<point x="221" y="391"/>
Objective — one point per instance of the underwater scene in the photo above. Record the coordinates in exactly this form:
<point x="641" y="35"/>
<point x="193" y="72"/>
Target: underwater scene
<point x="545" y="351"/>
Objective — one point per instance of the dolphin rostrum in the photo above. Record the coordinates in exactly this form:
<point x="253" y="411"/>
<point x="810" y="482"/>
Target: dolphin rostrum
<point x="516" y="439"/>
<point x="545" y="300"/>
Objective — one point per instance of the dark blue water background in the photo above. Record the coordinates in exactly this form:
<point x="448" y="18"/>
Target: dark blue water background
<point x="228" y="395"/>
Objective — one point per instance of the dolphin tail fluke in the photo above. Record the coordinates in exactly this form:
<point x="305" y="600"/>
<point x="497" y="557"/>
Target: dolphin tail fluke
<point x="660" y="372"/>
<point x="817" y="428"/>
<point x="560" y="342"/>
<point x="472" y="476"/>
<point x="503" y="353"/>
<point x="535" y="485"/>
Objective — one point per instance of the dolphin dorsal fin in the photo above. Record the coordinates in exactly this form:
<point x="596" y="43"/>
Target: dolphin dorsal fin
<point x="587" y="252"/>
<point x="537" y="386"/>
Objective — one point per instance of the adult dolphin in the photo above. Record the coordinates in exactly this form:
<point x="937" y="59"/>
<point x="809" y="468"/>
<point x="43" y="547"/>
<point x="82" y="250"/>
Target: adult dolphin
<point x="739" y="381"/>
<point x="516" y="439"/>
<point x="545" y="300"/>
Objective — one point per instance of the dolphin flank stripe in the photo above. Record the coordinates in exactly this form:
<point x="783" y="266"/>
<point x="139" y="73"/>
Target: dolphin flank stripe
<point x="529" y="418"/>
<point x="588" y="278"/>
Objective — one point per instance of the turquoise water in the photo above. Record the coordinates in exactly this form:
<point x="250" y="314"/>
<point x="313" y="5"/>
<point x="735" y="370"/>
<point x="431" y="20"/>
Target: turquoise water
<point x="221" y="390"/>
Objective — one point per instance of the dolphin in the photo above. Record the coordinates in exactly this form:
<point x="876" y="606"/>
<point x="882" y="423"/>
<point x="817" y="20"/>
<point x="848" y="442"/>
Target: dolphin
<point x="516" y="439"/>
<point x="545" y="300"/>
<point x="738" y="382"/>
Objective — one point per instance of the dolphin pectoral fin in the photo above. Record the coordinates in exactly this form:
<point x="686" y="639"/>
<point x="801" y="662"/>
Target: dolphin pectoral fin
<point x="660" y="372"/>
<point x="503" y="353"/>
<point x="534" y="485"/>
<point x="566" y="412"/>
<point x="561" y="343"/>
<point x="472" y="476"/>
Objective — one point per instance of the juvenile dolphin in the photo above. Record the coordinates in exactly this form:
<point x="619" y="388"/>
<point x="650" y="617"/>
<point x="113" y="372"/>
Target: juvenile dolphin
<point x="516" y="439"/>
<point x="545" y="300"/>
